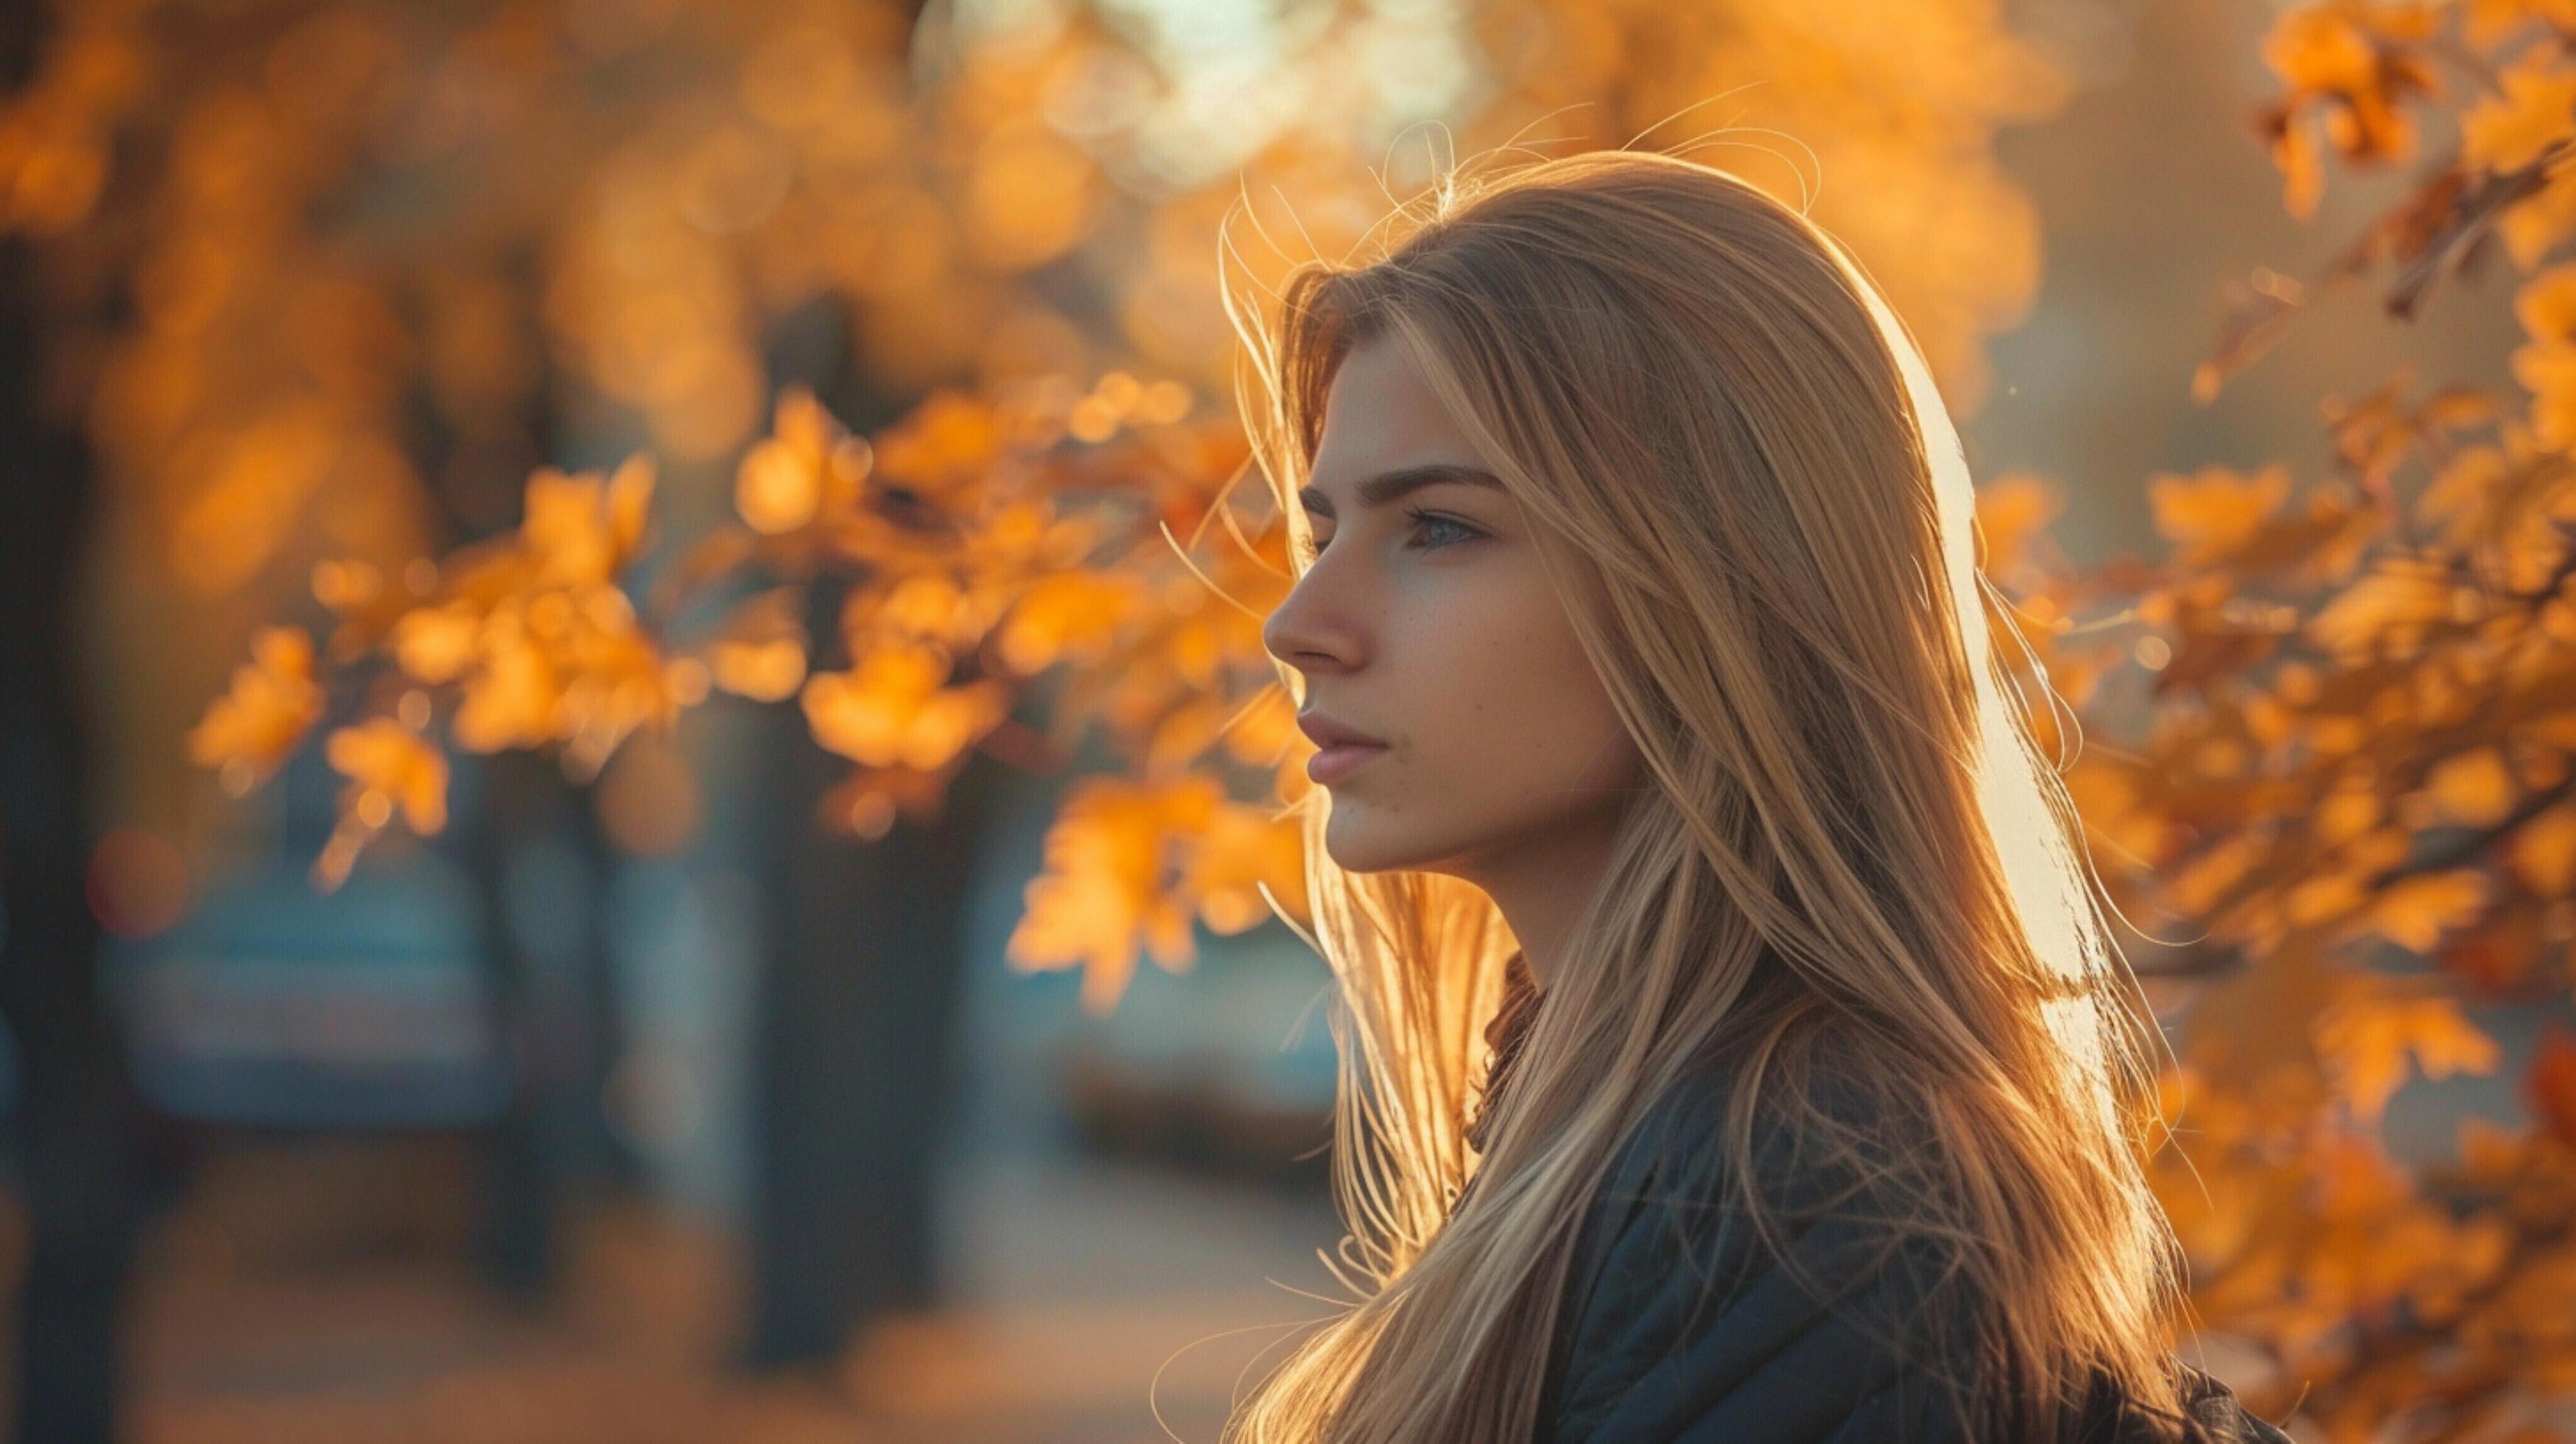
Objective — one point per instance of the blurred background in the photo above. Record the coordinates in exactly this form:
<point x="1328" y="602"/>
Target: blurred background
<point x="611" y="1095"/>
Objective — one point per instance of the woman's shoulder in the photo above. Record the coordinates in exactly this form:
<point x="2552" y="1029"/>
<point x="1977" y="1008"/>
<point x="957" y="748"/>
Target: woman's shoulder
<point x="1823" y="1139"/>
<point x="1681" y="1321"/>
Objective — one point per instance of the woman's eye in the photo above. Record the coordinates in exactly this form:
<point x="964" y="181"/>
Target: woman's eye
<point x="1430" y="521"/>
<point x="1449" y="530"/>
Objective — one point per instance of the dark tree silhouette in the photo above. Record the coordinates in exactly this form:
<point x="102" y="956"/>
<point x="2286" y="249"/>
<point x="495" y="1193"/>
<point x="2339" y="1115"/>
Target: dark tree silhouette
<point x="76" y="1129"/>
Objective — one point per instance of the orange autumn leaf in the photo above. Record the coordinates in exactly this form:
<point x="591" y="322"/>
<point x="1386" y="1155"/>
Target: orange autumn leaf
<point x="928" y="607"/>
<point x="2546" y="304"/>
<point x="2547" y="369"/>
<point x="2389" y="606"/>
<point x="2369" y="1035"/>
<point x="2353" y="64"/>
<point x="807" y="467"/>
<point x="946" y="441"/>
<point x="897" y="709"/>
<point x="1070" y="615"/>
<point x="2511" y="129"/>
<point x="2551" y="1083"/>
<point x="1241" y="850"/>
<point x="2475" y="787"/>
<point x="761" y="652"/>
<point x="2320" y="49"/>
<point x="616" y="680"/>
<point x="437" y="644"/>
<point x="514" y="697"/>
<point x="2348" y="812"/>
<point x="2215" y="510"/>
<point x="2296" y="154"/>
<point x="581" y="529"/>
<point x="2415" y="912"/>
<point x="261" y="717"/>
<point x="1103" y="892"/>
<point x="764" y="671"/>
<point x="2197" y="882"/>
<point x="2542" y="852"/>
<point x="354" y="589"/>
<point x="390" y="768"/>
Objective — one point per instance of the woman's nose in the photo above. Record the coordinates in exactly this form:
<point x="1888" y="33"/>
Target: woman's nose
<point x="1311" y="629"/>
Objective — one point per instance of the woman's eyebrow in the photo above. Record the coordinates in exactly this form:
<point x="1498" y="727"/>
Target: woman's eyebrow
<point x="1386" y="486"/>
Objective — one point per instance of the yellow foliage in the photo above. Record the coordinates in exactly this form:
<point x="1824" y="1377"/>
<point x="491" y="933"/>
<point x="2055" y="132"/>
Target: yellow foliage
<point x="272" y="701"/>
<point x="580" y="530"/>
<point x="437" y="644"/>
<point x="390" y="767"/>
<point x="2547" y="369"/>
<point x="1134" y="863"/>
<point x="2546" y="304"/>
<point x="1071" y="615"/>
<point x="2510" y="130"/>
<point x="2010" y="511"/>
<point x="2318" y="48"/>
<point x="2473" y="787"/>
<point x="514" y="697"/>
<point x="2415" y="912"/>
<point x="1240" y="852"/>
<point x="2389" y="608"/>
<point x="896" y="709"/>
<point x="2215" y="510"/>
<point x="1103" y="888"/>
<point x="947" y="442"/>
<point x="2553" y="1087"/>
<point x="761" y="654"/>
<point x="807" y="467"/>
<point x="2543" y="851"/>
<point x="2367" y="1037"/>
<point x="2386" y="1293"/>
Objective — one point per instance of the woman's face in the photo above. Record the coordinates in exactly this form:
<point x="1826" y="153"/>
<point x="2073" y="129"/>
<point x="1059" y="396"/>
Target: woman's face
<point x="1426" y="622"/>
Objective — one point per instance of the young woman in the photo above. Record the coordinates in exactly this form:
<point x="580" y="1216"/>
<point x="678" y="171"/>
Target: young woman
<point x="1732" y="1049"/>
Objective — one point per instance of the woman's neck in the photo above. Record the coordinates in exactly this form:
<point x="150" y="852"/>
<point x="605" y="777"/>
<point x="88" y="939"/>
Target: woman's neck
<point x="1542" y="883"/>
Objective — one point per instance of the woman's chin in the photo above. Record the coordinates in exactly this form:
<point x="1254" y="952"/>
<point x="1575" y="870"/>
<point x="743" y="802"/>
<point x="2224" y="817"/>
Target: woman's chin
<point x="1358" y="842"/>
<point x="1355" y="843"/>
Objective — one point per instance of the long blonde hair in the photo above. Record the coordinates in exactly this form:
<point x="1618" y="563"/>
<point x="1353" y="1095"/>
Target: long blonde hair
<point x="1852" y="857"/>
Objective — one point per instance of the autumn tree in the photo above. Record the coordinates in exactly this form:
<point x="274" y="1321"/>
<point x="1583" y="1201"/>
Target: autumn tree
<point x="73" y="1132"/>
<point x="2350" y="804"/>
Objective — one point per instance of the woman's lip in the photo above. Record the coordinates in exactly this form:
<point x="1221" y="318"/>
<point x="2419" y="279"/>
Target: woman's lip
<point x="1332" y="764"/>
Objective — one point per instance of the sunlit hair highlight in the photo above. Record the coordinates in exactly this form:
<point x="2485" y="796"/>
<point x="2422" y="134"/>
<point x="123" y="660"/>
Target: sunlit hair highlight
<point x="1852" y="864"/>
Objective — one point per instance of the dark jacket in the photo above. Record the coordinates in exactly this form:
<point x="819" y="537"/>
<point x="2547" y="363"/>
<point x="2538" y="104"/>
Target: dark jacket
<point x="1676" y="1326"/>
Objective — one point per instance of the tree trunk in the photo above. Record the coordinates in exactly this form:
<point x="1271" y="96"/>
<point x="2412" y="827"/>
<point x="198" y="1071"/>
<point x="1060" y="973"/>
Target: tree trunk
<point x="855" y="1052"/>
<point x="76" y="1127"/>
